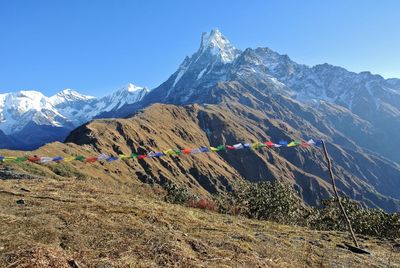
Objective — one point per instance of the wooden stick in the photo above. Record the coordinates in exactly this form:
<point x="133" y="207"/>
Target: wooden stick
<point x="328" y="161"/>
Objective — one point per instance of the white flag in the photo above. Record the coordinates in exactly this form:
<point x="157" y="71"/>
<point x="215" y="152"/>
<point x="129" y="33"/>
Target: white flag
<point x="45" y="159"/>
<point x="238" y="146"/>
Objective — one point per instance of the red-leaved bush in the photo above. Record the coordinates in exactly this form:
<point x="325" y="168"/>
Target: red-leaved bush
<point x="203" y="204"/>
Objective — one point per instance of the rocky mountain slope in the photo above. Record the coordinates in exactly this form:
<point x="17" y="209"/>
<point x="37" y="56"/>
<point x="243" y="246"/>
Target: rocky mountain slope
<point x="29" y="119"/>
<point x="367" y="178"/>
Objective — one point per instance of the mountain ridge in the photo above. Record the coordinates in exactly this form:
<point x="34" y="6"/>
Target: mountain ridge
<point x="24" y="112"/>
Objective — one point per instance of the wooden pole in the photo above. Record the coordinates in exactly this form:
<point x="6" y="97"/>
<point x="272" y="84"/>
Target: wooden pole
<point x="329" y="164"/>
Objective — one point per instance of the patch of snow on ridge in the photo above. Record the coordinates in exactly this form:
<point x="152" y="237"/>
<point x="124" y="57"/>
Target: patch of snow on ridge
<point x="200" y="75"/>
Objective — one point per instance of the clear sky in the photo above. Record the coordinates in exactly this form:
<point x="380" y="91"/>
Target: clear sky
<point x="97" y="46"/>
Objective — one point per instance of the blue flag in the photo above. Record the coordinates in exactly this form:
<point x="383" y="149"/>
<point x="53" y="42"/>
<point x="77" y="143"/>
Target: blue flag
<point x="58" y="158"/>
<point x="112" y="158"/>
<point x="283" y="143"/>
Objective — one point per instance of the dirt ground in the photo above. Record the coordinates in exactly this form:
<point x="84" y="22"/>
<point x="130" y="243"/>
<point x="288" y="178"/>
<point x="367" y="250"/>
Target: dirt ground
<point x="97" y="223"/>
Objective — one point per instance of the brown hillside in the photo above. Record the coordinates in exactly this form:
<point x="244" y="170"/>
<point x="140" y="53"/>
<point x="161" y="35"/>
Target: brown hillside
<point x="161" y="127"/>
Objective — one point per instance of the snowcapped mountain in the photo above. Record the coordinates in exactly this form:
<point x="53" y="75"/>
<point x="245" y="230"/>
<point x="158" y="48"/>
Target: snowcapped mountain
<point x="23" y="113"/>
<point x="363" y="106"/>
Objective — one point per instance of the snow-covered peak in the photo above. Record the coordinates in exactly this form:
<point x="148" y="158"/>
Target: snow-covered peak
<point x="218" y="45"/>
<point x="69" y="95"/>
<point x="23" y="101"/>
<point x="68" y="108"/>
<point x="19" y="108"/>
<point x="125" y="95"/>
<point x="132" y="88"/>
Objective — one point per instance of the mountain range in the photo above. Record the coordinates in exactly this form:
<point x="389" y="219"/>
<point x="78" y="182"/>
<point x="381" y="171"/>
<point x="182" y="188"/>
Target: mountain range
<point x="28" y="119"/>
<point x="223" y="95"/>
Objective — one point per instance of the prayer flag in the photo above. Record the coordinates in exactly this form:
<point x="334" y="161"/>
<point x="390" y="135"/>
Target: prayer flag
<point x="45" y="159"/>
<point x="221" y="148"/>
<point x="21" y="159"/>
<point x="33" y="159"/>
<point x="204" y="149"/>
<point x="169" y="152"/>
<point x="195" y="151"/>
<point x="9" y="158"/>
<point x="158" y="154"/>
<point x="294" y="143"/>
<point x="125" y="157"/>
<point x="80" y="158"/>
<point x="112" y="158"/>
<point x="238" y="146"/>
<point x="311" y="142"/>
<point x="91" y="159"/>
<point x="283" y="143"/>
<point x="57" y="159"/>
<point x="304" y="144"/>
<point x="102" y="157"/>
<point x="187" y="151"/>
<point x="69" y="158"/>
<point x="269" y="143"/>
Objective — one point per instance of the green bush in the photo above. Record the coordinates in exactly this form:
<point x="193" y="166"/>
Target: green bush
<point x="278" y="202"/>
<point x="272" y="201"/>
<point x="176" y="194"/>
<point x="373" y="222"/>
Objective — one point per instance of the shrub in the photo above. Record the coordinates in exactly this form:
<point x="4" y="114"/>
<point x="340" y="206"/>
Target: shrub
<point x="273" y="201"/>
<point x="373" y="222"/>
<point x="279" y="202"/>
<point x="203" y="204"/>
<point x="176" y="194"/>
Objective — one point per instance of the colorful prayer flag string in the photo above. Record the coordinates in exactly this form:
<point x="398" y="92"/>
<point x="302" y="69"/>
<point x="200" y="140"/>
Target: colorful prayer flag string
<point x="170" y="152"/>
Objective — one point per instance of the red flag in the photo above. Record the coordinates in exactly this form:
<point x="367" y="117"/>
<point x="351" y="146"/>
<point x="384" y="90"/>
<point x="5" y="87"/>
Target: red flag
<point x="186" y="151"/>
<point x="33" y="159"/>
<point x="91" y="159"/>
<point x="269" y="143"/>
<point x="142" y="156"/>
<point x="304" y="144"/>
<point x="229" y="147"/>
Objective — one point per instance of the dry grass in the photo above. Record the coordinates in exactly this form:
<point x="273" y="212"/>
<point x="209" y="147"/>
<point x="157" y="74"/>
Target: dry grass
<point x="99" y="223"/>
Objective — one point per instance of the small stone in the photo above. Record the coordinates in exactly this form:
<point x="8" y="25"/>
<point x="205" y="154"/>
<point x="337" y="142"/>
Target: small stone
<point x="20" y="202"/>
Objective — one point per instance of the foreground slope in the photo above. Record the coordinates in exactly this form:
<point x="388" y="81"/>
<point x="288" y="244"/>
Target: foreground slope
<point x="97" y="223"/>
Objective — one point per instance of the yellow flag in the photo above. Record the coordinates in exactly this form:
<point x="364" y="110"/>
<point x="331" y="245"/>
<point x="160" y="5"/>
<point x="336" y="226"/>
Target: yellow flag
<point x="292" y="144"/>
<point x="214" y="149"/>
<point x="9" y="158"/>
<point x="124" y="157"/>
<point x="69" y="158"/>
<point x="169" y="152"/>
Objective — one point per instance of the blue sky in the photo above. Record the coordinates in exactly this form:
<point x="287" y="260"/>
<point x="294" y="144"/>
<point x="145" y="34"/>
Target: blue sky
<point x="97" y="46"/>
